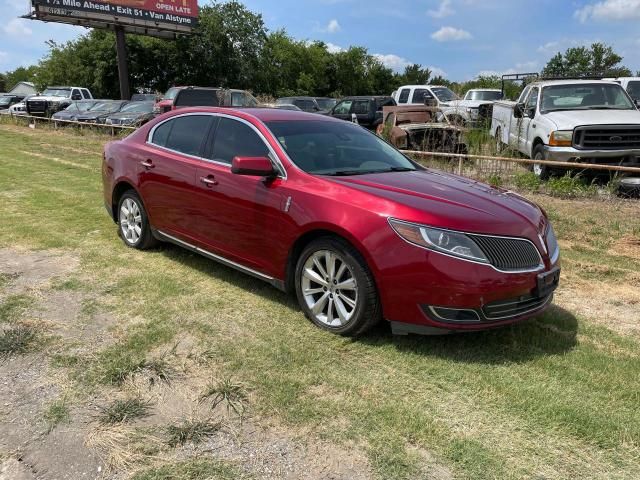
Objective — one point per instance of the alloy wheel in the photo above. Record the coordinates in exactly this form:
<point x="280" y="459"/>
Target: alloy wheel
<point x="130" y="221"/>
<point x="329" y="288"/>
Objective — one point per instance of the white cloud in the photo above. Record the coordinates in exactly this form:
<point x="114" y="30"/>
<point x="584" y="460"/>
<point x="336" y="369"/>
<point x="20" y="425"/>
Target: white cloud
<point x="437" y="72"/>
<point x="549" y="47"/>
<point x="16" y="26"/>
<point x="450" y="34"/>
<point x="392" y="61"/>
<point x="444" y="10"/>
<point x="333" y="48"/>
<point x="333" y="26"/>
<point x="609" y="10"/>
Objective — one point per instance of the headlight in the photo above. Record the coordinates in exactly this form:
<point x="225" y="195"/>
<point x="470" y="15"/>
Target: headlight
<point x="444" y="241"/>
<point x="561" y="138"/>
<point x="552" y="244"/>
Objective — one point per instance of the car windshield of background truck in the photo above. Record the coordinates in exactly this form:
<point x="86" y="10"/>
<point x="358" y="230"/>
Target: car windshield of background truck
<point x="337" y="148"/>
<point x="56" y="92"/>
<point x="444" y="94"/>
<point x="595" y="96"/>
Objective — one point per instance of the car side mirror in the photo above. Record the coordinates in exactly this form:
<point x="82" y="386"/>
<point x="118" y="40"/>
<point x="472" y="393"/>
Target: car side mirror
<point x="518" y="110"/>
<point x="253" y="166"/>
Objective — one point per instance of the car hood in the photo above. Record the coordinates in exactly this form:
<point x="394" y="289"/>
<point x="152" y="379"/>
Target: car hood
<point x="569" y="119"/>
<point x="453" y="202"/>
<point x="464" y="103"/>
<point x="40" y="98"/>
<point x="89" y="115"/>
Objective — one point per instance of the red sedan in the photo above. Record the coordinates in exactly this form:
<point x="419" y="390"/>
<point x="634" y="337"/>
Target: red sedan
<point x="327" y="209"/>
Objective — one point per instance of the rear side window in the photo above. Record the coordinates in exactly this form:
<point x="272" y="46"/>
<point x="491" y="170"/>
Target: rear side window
<point x="237" y="99"/>
<point x="236" y="139"/>
<point x="183" y="134"/>
<point x="197" y="98"/>
<point x="404" y="95"/>
<point x="361" y="107"/>
<point x="75" y="95"/>
<point x="306" y="105"/>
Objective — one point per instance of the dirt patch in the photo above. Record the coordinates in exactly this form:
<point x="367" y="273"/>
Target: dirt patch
<point x="32" y="270"/>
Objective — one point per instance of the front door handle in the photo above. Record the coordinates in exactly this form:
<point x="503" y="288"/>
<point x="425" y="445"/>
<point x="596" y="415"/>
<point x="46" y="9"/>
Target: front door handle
<point x="209" y="180"/>
<point x="147" y="164"/>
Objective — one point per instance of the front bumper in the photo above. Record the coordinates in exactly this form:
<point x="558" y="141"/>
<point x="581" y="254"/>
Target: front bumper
<point x="630" y="158"/>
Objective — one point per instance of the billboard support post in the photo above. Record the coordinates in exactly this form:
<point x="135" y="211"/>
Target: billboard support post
<point x="123" y="70"/>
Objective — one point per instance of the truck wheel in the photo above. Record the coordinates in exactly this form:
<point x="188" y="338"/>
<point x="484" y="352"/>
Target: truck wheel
<point x="543" y="172"/>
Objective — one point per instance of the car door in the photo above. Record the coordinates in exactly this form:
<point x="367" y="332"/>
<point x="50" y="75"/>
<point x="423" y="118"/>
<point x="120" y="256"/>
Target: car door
<point x="238" y="216"/>
<point x="342" y="110"/>
<point x="362" y="111"/>
<point x="526" y="122"/>
<point x="167" y="166"/>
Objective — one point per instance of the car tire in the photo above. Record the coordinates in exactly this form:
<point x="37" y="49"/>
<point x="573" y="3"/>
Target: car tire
<point x="133" y="223"/>
<point x="349" y="311"/>
<point x="543" y="172"/>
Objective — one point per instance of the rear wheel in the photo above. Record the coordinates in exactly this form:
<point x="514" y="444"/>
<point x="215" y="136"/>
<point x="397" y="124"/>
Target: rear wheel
<point x="133" y="223"/>
<point x="335" y="288"/>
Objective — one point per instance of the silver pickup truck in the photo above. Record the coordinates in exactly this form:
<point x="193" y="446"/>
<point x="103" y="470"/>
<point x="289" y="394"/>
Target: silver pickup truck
<point x="585" y="121"/>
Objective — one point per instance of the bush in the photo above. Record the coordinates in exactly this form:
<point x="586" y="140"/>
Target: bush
<point x="570" y="187"/>
<point x="528" y="181"/>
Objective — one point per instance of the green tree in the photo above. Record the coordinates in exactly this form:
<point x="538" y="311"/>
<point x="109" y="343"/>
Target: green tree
<point x="598" y="59"/>
<point x="416" y="75"/>
<point x="20" y="74"/>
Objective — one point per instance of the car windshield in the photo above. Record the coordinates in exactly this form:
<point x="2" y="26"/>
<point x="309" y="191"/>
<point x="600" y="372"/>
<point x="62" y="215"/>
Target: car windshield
<point x="5" y="100"/>
<point x="57" y="92"/>
<point x="595" y="96"/>
<point x="171" y="93"/>
<point x="337" y="148"/>
<point x="444" y="94"/>
<point x="105" y="107"/>
<point x="326" y="103"/>
<point x="138" y="107"/>
<point x="79" y="107"/>
<point x="487" y="95"/>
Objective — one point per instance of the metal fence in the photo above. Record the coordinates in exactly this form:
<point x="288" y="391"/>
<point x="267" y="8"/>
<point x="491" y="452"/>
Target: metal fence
<point x="50" y="123"/>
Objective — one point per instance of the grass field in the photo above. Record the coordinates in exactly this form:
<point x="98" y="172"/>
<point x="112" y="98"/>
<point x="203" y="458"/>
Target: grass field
<point x="164" y="365"/>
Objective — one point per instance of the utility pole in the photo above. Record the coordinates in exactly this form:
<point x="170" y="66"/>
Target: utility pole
<point x="123" y="70"/>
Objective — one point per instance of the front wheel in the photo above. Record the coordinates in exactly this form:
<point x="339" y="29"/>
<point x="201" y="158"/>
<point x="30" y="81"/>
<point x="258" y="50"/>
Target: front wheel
<point x="335" y="288"/>
<point x="133" y="223"/>
<point x="540" y="170"/>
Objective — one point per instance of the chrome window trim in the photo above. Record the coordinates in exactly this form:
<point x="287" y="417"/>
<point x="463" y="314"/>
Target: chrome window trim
<point x="272" y="154"/>
<point x="218" y="258"/>
<point x="540" y="266"/>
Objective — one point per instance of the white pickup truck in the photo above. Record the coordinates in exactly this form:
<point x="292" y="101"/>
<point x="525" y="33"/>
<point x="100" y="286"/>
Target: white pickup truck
<point x="585" y="121"/>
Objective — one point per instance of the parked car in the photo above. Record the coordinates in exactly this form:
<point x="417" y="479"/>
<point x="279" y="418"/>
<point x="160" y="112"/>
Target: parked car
<point x="144" y="97"/>
<point x="309" y="104"/>
<point x="99" y="112"/>
<point x="586" y="121"/>
<point x="283" y="106"/>
<point x="8" y="100"/>
<point x="76" y="108"/>
<point x="454" y="110"/>
<point x="54" y="99"/>
<point x="213" y="97"/>
<point x="329" y="210"/>
<point x="417" y="128"/>
<point x="632" y="86"/>
<point x="132" y="114"/>
<point x="19" y="108"/>
<point x="166" y="102"/>
<point x="367" y="110"/>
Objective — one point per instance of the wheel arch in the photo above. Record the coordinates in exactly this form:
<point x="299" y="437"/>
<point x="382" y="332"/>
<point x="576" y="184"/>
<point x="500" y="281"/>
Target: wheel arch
<point x="120" y="189"/>
<point x="536" y="141"/>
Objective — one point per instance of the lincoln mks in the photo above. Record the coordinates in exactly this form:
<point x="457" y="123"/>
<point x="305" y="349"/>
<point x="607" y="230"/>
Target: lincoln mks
<point x="323" y="208"/>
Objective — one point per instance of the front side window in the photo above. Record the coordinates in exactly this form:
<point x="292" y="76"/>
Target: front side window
<point x="404" y="95"/>
<point x="336" y="148"/>
<point x="532" y="101"/>
<point x="236" y="139"/>
<point x="183" y="134"/>
<point x="76" y="95"/>
<point x="86" y="94"/>
<point x="419" y="95"/>
<point x="595" y="96"/>
<point x="343" y="108"/>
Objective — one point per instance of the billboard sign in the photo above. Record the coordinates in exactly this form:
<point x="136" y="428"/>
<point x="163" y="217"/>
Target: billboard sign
<point x="162" y="18"/>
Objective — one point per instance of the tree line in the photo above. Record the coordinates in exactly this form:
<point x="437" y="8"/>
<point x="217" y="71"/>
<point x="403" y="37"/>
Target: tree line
<point x="231" y="47"/>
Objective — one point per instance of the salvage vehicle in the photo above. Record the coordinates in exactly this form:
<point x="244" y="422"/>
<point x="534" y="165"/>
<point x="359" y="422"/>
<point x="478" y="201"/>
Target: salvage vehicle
<point x="20" y="108"/>
<point x="585" y="121"/>
<point x="484" y="94"/>
<point x="416" y="128"/>
<point x="461" y="112"/>
<point x="76" y="108"/>
<point x="166" y="102"/>
<point x="330" y="211"/>
<point x="133" y="114"/>
<point x="54" y="99"/>
<point x="99" y="112"/>
<point x="213" y="97"/>
<point x="367" y="110"/>
<point x="632" y="86"/>
<point x="144" y="97"/>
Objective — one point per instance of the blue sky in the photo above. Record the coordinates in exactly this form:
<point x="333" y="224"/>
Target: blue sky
<point x="458" y="38"/>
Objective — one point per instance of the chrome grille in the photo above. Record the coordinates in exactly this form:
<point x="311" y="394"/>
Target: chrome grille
<point x="514" y="308"/>
<point x="37" y="106"/>
<point x="509" y="254"/>
<point x="609" y="137"/>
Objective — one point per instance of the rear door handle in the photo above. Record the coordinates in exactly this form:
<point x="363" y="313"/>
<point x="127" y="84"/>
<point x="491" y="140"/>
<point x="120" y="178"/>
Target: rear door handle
<point x="147" y="164"/>
<point x="209" y="180"/>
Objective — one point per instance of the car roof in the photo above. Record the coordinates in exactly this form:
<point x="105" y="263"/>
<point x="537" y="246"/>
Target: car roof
<point x="546" y="83"/>
<point x="422" y="86"/>
<point x="484" y="90"/>
<point x="365" y="97"/>
<point x="261" y="114"/>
